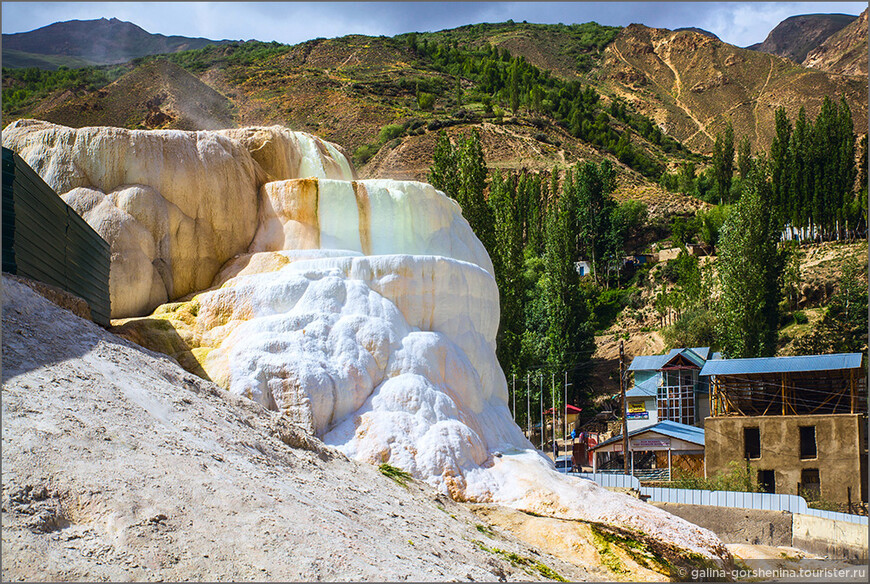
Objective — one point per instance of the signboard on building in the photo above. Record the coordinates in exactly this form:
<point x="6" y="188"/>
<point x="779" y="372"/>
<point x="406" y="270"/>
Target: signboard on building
<point x="637" y="411"/>
<point x="651" y="443"/>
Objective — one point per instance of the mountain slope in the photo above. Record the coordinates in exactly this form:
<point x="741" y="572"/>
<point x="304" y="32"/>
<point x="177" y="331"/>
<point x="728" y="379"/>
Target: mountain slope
<point x="692" y="85"/>
<point x="156" y="95"/>
<point x="20" y="60"/>
<point x="796" y="36"/>
<point x="844" y="52"/>
<point x="99" y="42"/>
<point x="651" y="69"/>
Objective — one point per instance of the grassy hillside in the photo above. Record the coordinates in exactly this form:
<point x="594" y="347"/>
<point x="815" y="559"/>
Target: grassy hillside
<point x="368" y="93"/>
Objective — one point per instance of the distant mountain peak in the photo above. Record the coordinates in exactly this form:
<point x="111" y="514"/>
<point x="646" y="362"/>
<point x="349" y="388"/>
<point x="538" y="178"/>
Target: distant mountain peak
<point x="99" y="41"/>
<point x="796" y="36"/>
<point x="844" y="52"/>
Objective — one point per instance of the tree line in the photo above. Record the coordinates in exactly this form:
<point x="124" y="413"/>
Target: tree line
<point x="804" y="189"/>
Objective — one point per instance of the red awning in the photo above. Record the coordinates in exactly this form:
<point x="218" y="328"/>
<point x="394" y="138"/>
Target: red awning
<point x="571" y="410"/>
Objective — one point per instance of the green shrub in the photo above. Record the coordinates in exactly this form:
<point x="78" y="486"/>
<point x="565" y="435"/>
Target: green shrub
<point x="364" y="153"/>
<point x="390" y="132"/>
<point x="740" y="476"/>
<point x="425" y="101"/>
<point x="395" y="473"/>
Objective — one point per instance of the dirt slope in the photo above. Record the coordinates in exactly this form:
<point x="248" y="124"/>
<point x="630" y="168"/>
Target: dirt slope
<point x="119" y="465"/>
<point x="157" y="95"/>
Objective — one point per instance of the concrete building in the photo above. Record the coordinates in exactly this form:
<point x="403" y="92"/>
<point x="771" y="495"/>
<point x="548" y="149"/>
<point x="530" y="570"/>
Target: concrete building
<point x="799" y="422"/>
<point x="669" y="387"/>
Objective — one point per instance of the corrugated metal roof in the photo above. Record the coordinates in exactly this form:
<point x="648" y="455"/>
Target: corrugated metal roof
<point x="702" y="352"/>
<point x="782" y="364"/>
<point x="696" y="355"/>
<point x="683" y="432"/>
<point x="647" y="388"/>
<point x="651" y="362"/>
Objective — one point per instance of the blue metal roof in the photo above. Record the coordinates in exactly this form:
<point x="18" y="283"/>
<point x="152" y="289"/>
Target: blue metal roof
<point x="696" y="355"/>
<point x="651" y="362"/>
<point x="683" y="432"/>
<point x="648" y="388"/>
<point x="782" y="364"/>
<point x="702" y="352"/>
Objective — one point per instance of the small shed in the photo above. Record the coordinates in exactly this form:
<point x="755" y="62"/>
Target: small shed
<point x="658" y="448"/>
<point x="44" y="239"/>
<point x="583" y="267"/>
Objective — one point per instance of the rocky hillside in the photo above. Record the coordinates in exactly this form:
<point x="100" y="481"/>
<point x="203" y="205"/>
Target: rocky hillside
<point x="844" y="52"/>
<point x="796" y="36"/>
<point x="156" y="95"/>
<point x="687" y="80"/>
<point x="692" y="85"/>
<point x="89" y="42"/>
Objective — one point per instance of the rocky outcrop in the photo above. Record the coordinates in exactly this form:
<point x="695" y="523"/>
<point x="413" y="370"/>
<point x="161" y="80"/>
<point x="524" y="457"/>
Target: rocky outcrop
<point x="844" y="52"/>
<point x="796" y="36"/>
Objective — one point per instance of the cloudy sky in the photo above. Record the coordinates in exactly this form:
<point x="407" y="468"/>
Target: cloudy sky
<point x="292" y="22"/>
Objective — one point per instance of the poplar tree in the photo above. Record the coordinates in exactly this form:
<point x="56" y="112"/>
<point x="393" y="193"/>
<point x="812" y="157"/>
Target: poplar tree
<point x="723" y="162"/>
<point x="460" y="171"/>
<point x="750" y="273"/>
<point x="503" y="201"/>
<point x="744" y="157"/>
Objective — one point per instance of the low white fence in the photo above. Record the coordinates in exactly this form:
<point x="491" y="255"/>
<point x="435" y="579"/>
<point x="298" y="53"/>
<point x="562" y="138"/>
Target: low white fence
<point x="766" y="501"/>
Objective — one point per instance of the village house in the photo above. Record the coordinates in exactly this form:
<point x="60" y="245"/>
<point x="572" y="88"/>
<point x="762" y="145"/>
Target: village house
<point x="669" y="387"/>
<point x="799" y="422"/>
<point x="666" y="408"/>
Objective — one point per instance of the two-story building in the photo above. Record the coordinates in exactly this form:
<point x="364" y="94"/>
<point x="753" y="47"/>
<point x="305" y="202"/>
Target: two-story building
<point x="665" y="409"/>
<point x="799" y="422"/>
<point x="669" y="387"/>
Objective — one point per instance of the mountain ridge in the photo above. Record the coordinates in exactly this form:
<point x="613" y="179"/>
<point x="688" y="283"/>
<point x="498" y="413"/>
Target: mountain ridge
<point x="844" y="52"/>
<point x="796" y="36"/>
<point x="99" y="42"/>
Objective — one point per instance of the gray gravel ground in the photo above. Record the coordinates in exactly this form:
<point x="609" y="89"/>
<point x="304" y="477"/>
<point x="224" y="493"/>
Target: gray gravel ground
<point x="119" y="465"/>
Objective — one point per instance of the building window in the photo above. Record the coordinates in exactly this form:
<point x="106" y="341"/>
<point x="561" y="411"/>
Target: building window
<point x="767" y="481"/>
<point x="676" y="396"/>
<point x="751" y="443"/>
<point x="811" y="485"/>
<point x="808" y="442"/>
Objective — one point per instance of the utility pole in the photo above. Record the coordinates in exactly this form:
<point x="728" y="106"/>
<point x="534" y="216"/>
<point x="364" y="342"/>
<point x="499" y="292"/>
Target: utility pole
<point x="515" y="396"/>
<point x="541" y="403"/>
<point x="553" y="400"/>
<point x="528" y="409"/>
<point x="624" y="407"/>
<point x="565" y="413"/>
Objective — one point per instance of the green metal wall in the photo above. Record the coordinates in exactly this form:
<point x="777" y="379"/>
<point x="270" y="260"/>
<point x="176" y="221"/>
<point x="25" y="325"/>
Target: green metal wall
<point x="45" y="239"/>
